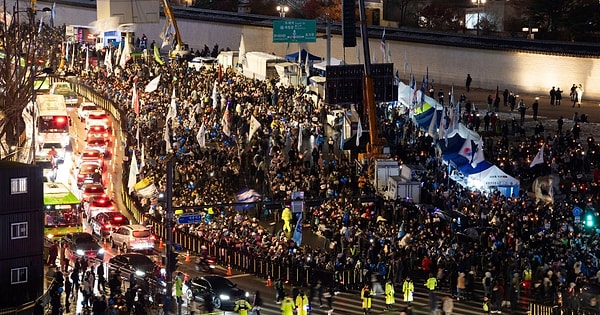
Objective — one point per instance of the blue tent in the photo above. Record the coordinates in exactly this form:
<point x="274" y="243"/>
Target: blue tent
<point x="294" y="56"/>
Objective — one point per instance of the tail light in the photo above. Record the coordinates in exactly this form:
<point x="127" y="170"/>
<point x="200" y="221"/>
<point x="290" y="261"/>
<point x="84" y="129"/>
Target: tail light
<point x="107" y="226"/>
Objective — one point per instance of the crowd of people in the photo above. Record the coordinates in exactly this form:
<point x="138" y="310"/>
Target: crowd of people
<point x="206" y="118"/>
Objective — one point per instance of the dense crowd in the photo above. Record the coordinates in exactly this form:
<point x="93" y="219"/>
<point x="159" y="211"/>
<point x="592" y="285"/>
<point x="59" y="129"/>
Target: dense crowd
<point x="517" y="243"/>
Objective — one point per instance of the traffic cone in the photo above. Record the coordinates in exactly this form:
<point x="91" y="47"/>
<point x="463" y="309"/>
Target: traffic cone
<point x="160" y="244"/>
<point x="269" y="283"/>
<point x="229" y="272"/>
<point x="187" y="257"/>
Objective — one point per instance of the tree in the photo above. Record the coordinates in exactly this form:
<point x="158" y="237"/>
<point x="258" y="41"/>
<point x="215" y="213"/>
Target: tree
<point x="19" y="67"/>
<point x="397" y="10"/>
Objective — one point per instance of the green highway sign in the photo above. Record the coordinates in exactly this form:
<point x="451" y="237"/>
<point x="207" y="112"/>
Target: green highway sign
<point x="294" y="31"/>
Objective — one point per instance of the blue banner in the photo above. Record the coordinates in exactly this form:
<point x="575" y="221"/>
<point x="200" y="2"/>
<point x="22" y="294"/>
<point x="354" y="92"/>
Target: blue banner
<point x="298" y="230"/>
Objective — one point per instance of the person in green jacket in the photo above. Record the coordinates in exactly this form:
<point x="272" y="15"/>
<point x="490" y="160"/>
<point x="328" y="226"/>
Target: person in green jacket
<point x="287" y="306"/>
<point x="408" y="289"/>
<point x="389" y="294"/>
<point x="431" y="285"/>
<point x="242" y="307"/>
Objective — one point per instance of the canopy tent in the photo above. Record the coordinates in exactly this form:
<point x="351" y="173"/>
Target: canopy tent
<point x="495" y="178"/>
<point x="303" y="54"/>
<point x="332" y="62"/>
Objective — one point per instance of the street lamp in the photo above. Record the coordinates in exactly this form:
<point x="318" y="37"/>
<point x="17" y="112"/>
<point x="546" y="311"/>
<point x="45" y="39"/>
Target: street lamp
<point x="530" y="31"/>
<point x="478" y="3"/>
<point x="282" y="9"/>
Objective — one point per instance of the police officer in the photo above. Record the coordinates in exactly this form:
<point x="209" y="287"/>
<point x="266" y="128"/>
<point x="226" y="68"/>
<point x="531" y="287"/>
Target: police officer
<point x="287" y="306"/>
<point x="242" y="307"/>
<point x="366" y="296"/>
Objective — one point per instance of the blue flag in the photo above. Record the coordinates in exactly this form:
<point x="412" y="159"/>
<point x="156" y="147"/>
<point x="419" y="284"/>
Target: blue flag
<point x="297" y="237"/>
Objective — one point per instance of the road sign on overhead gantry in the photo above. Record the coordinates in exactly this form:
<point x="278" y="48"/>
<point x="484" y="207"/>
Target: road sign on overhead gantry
<point x="294" y="31"/>
<point x="189" y="218"/>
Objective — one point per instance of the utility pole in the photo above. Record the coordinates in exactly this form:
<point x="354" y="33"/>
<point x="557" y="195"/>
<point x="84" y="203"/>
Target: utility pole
<point x="169" y="241"/>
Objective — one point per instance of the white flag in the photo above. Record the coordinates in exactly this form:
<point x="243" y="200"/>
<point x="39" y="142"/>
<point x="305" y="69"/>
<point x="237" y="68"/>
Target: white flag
<point x="254" y="126"/>
<point x="167" y="138"/>
<point x="214" y="96"/>
<point x="172" y="113"/>
<point x="133" y="171"/>
<point x="87" y="58"/>
<point x="359" y="132"/>
<point x="143" y="161"/>
<point x="201" y="136"/>
<point x="479" y="157"/>
<point x="152" y="85"/>
<point x="539" y="157"/>
<point x="125" y="55"/>
<point x="225" y="121"/>
<point x="300" y="137"/>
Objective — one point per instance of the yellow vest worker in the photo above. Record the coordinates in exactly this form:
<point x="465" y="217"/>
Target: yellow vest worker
<point x="287" y="306"/>
<point x="389" y="294"/>
<point x="242" y="307"/>
<point x="408" y="289"/>
<point x="302" y="304"/>
<point x="286" y="216"/>
<point x="366" y="295"/>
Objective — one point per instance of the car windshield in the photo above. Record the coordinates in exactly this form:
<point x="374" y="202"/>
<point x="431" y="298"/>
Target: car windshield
<point x="94" y="189"/>
<point x="141" y="233"/>
<point x="84" y="239"/>
<point x="88" y="107"/>
<point x="221" y="283"/>
<point x="50" y="145"/>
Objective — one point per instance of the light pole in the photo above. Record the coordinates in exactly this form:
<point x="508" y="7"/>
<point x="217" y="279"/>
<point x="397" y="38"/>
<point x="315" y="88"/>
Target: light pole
<point x="530" y="32"/>
<point x="478" y="3"/>
<point x="282" y="9"/>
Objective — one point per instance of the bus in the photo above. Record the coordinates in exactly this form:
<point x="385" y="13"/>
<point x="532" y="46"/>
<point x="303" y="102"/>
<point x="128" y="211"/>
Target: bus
<point x="62" y="210"/>
<point x="52" y="123"/>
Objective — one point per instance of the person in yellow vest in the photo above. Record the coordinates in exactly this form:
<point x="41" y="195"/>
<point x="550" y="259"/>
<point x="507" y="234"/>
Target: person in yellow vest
<point x="527" y="279"/>
<point x="287" y="306"/>
<point x="286" y="216"/>
<point x="389" y="294"/>
<point x="302" y="303"/>
<point x="242" y="307"/>
<point x="431" y="285"/>
<point x="366" y="296"/>
<point x="408" y="290"/>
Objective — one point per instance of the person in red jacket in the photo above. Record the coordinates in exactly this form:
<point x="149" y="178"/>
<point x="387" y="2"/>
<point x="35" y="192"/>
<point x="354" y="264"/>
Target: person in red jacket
<point x="426" y="265"/>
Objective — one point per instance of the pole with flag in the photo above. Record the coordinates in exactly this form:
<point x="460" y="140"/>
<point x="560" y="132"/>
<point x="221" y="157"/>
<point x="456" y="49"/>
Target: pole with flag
<point x="225" y="122"/>
<point x="135" y="101"/>
<point x="539" y="158"/>
<point x="152" y="85"/>
<point x="359" y="132"/>
<point x="167" y="138"/>
<point x="382" y="47"/>
<point x="143" y="161"/>
<point x="214" y="95"/>
<point x="300" y="138"/>
<point x="133" y="171"/>
<point x="254" y="126"/>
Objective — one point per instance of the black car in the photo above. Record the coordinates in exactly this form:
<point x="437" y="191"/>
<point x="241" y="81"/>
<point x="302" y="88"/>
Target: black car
<point x="82" y="244"/>
<point x="139" y="264"/>
<point x="221" y="290"/>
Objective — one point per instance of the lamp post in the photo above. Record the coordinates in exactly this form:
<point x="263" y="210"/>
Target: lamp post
<point x="478" y="3"/>
<point x="530" y="31"/>
<point x="282" y="9"/>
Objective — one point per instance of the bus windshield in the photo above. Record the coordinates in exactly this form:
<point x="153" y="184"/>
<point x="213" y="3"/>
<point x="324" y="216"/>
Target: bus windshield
<point x="62" y="210"/>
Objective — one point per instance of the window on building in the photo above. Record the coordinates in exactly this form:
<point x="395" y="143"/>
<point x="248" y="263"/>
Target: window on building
<point x="18" y="185"/>
<point x="18" y="275"/>
<point x="19" y="230"/>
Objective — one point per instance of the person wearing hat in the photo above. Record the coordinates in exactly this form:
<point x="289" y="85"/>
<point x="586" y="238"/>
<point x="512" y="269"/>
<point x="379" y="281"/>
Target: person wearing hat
<point x="366" y="296"/>
<point x="408" y="289"/>
<point x="389" y="294"/>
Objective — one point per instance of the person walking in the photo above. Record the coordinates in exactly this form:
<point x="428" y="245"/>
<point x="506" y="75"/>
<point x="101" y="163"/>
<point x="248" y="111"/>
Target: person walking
<point x="534" y="107"/>
<point x="468" y="83"/>
<point x="101" y="278"/>
<point x="52" y="254"/>
<point x="552" y="96"/>
<point x="431" y="285"/>
<point x="257" y="303"/>
<point x="179" y="291"/>
<point x="328" y="295"/>
<point x="408" y="289"/>
<point x="460" y="285"/>
<point x="279" y="291"/>
<point x="242" y="307"/>
<point x="522" y="109"/>
<point x="558" y="96"/>
<point x="366" y="297"/>
<point x="389" y="294"/>
<point x="68" y="289"/>
<point x="287" y="306"/>
<point x="302" y="303"/>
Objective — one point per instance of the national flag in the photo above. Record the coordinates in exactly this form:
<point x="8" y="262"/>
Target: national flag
<point x="479" y="156"/>
<point x="214" y="96"/>
<point x="125" y="54"/>
<point x="133" y="171"/>
<point x="167" y="138"/>
<point x="201" y="136"/>
<point x="135" y="101"/>
<point x="297" y="237"/>
<point x="539" y="157"/>
<point x="172" y="113"/>
<point x="432" y="130"/>
<point x="166" y="32"/>
<point x="146" y="188"/>
<point x="382" y="47"/>
<point x="153" y="84"/>
<point x="143" y="161"/>
<point x="300" y="135"/>
<point x="247" y="196"/>
<point x="157" y="57"/>
<point x="225" y="121"/>
<point x="52" y="14"/>
<point x="254" y="126"/>
<point x="359" y="132"/>
<point x="467" y="149"/>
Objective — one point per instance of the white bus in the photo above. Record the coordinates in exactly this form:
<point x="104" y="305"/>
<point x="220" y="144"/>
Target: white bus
<point x="52" y="124"/>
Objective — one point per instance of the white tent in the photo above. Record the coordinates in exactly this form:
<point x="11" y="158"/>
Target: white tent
<point x="495" y="178"/>
<point x="332" y="62"/>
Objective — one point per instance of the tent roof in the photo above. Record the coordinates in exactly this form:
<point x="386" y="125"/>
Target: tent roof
<point x="332" y="62"/>
<point x="494" y="176"/>
<point x="304" y="53"/>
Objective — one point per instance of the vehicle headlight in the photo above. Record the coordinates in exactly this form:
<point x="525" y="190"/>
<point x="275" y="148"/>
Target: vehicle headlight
<point x="247" y="294"/>
<point x="101" y="251"/>
<point x="79" y="252"/>
<point x="224" y="297"/>
<point x="163" y="271"/>
<point x="140" y="273"/>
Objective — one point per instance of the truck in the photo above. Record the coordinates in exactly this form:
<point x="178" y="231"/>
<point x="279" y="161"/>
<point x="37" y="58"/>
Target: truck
<point x="384" y="168"/>
<point x="399" y="188"/>
<point x="261" y="65"/>
<point x="180" y="49"/>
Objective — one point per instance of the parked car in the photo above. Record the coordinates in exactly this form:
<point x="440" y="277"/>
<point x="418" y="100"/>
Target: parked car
<point x="88" y="173"/>
<point x="82" y="244"/>
<point x="221" y="290"/>
<point x="199" y="62"/>
<point x="84" y="109"/>
<point x="97" y="118"/>
<point x="134" y="237"/>
<point x="106" y="221"/>
<point x="136" y="263"/>
<point x="97" y="205"/>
